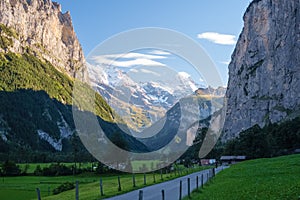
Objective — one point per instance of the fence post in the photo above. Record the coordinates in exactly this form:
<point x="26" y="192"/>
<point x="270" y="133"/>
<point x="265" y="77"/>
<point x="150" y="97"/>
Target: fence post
<point x="77" y="191"/>
<point x="163" y="194"/>
<point x="161" y="176"/>
<point x="197" y="182"/>
<point x="202" y="181"/>
<point x="101" y="187"/>
<point x="189" y="187"/>
<point x="38" y="192"/>
<point x="145" y="181"/>
<point x="214" y="172"/>
<point x="207" y="177"/>
<point x="133" y="180"/>
<point x="141" y="195"/>
<point x="119" y="183"/>
<point x="180" y="190"/>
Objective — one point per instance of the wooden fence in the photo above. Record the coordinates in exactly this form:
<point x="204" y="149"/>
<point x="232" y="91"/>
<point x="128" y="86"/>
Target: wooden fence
<point x="176" y="173"/>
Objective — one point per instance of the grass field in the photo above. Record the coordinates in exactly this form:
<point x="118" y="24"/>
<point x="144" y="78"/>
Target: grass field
<point x="32" y="166"/>
<point x="23" y="188"/>
<point x="272" y="179"/>
<point x="136" y="165"/>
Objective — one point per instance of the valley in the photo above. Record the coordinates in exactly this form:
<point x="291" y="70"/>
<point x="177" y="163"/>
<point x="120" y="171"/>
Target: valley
<point x="67" y="117"/>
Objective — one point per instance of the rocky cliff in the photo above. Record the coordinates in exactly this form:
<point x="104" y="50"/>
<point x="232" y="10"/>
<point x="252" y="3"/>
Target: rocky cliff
<point x="41" y="26"/>
<point x="264" y="74"/>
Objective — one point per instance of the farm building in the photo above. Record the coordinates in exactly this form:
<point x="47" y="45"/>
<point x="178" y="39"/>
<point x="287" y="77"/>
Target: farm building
<point x="227" y="160"/>
<point x="206" y="162"/>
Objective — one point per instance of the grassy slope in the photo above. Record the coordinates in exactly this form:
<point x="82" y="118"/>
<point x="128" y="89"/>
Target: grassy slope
<point x="34" y="95"/>
<point x="275" y="178"/>
<point x="29" y="89"/>
<point x="28" y="72"/>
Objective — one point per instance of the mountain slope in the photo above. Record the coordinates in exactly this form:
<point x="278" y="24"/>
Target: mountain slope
<point x="36" y="91"/>
<point x="140" y="102"/>
<point x="264" y="75"/>
<point x="181" y="122"/>
<point x="36" y="111"/>
<point x="41" y="26"/>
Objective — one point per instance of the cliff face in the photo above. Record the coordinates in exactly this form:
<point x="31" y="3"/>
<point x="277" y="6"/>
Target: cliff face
<point x="264" y="74"/>
<point x="41" y="26"/>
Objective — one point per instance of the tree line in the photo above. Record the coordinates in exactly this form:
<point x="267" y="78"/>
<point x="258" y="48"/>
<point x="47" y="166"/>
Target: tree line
<point x="270" y="141"/>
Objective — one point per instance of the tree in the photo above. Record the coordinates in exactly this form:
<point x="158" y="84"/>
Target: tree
<point x="75" y="149"/>
<point x="101" y="168"/>
<point x="10" y="168"/>
<point x="38" y="171"/>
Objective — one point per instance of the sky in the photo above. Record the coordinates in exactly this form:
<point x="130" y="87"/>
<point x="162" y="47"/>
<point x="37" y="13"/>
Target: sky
<point x="214" y="24"/>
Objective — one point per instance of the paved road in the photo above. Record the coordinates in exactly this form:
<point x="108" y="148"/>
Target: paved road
<point x="171" y="188"/>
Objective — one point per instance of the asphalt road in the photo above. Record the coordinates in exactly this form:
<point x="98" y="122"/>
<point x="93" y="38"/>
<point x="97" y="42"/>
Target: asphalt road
<point x="171" y="188"/>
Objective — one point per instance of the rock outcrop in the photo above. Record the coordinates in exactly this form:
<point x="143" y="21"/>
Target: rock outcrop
<point x="41" y="26"/>
<point x="264" y="74"/>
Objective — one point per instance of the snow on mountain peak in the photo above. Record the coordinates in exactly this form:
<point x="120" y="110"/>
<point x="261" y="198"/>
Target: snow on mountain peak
<point x="187" y="80"/>
<point x="184" y="75"/>
<point x="121" y="87"/>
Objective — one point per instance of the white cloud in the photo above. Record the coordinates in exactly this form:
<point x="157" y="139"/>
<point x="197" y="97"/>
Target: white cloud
<point x="218" y="38"/>
<point x="160" y="52"/>
<point x="132" y="55"/>
<point x="137" y="62"/>
<point x="132" y="59"/>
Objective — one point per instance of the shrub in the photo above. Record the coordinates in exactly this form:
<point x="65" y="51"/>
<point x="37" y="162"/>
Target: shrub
<point x="57" y="170"/>
<point x="38" y="171"/>
<point x="10" y="168"/>
<point x="64" y="187"/>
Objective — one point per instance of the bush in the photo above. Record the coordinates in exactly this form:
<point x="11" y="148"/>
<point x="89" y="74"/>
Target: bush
<point x="63" y="187"/>
<point x="10" y="168"/>
<point x="38" y="171"/>
<point x="57" y="170"/>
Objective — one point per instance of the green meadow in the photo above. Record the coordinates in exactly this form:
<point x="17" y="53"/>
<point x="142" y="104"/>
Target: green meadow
<point x="272" y="179"/>
<point x="24" y="187"/>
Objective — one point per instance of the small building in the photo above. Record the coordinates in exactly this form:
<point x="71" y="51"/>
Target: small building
<point x="227" y="160"/>
<point x="206" y="162"/>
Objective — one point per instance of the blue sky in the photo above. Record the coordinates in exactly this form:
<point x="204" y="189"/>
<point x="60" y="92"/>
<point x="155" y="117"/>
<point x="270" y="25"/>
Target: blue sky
<point x="214" y="24"/>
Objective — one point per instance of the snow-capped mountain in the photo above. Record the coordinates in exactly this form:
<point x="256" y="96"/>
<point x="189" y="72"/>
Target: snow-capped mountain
<point x="139" y="102"/>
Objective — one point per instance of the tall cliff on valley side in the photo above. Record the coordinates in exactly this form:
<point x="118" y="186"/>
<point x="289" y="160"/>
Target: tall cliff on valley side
<point x="264" y="74"/>
<point x="39" y="55"/>
<point x="41" y="27"/>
